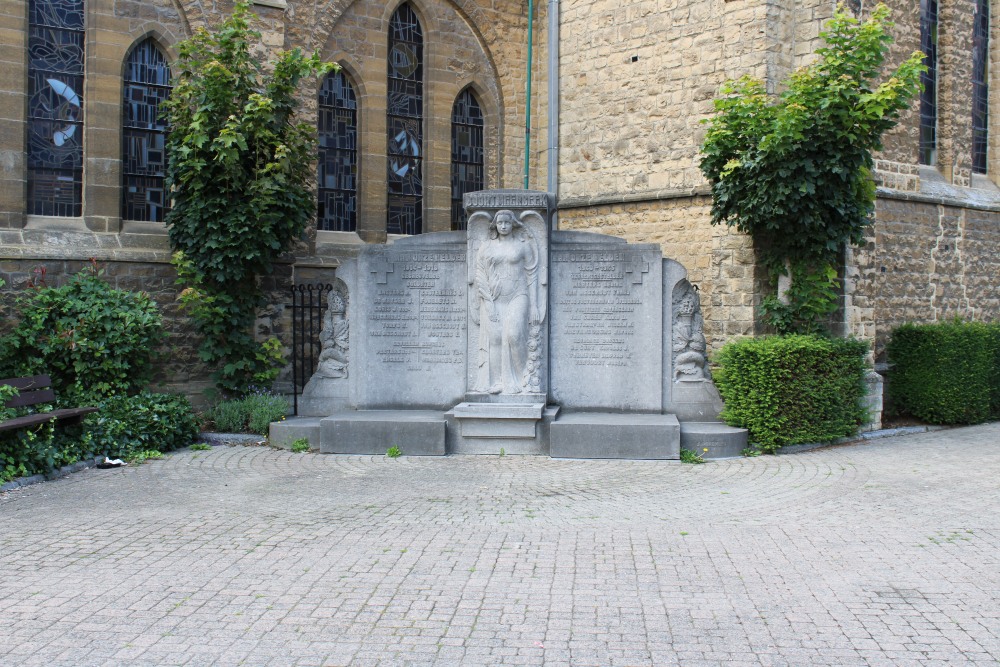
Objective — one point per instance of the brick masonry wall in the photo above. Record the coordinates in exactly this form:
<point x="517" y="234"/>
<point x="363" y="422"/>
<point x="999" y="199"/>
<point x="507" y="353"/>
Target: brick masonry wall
<point x="924" y="262"/>
<point x="720" y="262"/>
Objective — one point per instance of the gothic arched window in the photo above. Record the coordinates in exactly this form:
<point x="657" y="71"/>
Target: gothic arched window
<point x="338" y="154"/>
<point x="55" y="107"/>
<point x="980" y="85"/>
<point x="928" y="96"/>
<point x="144" y="134"/>
<point x="405" y="111"/>
<point x="466" y="153"/>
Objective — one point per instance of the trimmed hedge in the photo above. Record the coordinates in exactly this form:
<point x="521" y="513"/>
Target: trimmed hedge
<point x="947" y="372"/>
<point x="789" y="390"/>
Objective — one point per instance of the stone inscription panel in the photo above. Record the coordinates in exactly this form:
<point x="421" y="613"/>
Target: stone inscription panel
<point x="412" y="317"/>
<point x="606" y="302"/>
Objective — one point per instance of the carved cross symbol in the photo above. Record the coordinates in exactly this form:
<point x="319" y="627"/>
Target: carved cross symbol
<point x="382" y="268"/>
<point x="637" y="266"/>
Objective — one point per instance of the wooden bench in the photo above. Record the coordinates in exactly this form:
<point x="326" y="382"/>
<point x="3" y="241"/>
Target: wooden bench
<point x="32" y="391"/>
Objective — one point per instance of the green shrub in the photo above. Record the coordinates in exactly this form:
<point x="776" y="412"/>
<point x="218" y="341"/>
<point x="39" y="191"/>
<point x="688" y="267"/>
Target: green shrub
<point x="127" y="425"/>
<point x="789" y="390"/>
<point x="251" y="414"/>
<point x="90" y="338"/>
<point x="946" y="373"/>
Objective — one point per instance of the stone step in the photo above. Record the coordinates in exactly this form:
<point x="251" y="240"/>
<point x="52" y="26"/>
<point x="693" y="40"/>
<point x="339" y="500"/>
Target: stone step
<point x="606" y="435"/>
<point x="713" y="440"/>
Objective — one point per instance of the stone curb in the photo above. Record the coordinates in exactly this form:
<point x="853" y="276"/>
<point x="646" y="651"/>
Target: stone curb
<point x="869" y="435"/>
<point x="55" y="474"/>
<point x="229" y="439"/>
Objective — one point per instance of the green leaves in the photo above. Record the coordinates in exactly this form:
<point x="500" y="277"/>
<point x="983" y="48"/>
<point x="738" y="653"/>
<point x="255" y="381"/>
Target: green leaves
<point x="239" y="170"/>
<point x="794" y="172"/>
<point x="90" y="337"/>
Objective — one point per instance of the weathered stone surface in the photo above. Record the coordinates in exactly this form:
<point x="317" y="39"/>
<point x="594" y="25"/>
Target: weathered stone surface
<point x="602" y="435"/>
<point x="408" y="318"/>
<point x="606" y="323"/>
<point x="415" y="433"/>
<point x="713" y="440"/>
<point x="282" y="434"/>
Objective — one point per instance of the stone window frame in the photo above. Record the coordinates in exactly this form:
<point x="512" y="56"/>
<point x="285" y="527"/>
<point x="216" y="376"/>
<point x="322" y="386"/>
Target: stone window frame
<point x="103" y="130"/>
<point x="441" y="87"/>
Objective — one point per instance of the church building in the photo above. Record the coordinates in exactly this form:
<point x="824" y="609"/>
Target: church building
<point x="599" y="102"/>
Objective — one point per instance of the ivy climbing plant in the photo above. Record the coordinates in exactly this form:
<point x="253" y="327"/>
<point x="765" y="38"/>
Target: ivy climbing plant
<point x="794" y="171"/>
<point x="239" y="171"/>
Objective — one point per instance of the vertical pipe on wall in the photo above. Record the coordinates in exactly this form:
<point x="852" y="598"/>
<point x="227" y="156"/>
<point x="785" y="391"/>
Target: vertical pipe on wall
<point x="553" y="169"/>
<point x="527" y="100"/>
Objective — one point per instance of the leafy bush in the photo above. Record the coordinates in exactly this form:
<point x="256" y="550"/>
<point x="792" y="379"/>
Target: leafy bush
<point x="795" y="389"/>
<point x="127" y="425"/>
<point x="90" y="338"/>
<point x="946" y="373"/>
<point x="251" y="414"/>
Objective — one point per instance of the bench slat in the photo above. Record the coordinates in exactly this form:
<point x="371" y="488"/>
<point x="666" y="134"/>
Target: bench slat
<point x="28" y="383"/>
<point x="69" y="413"/>
<point x="25" y="421"/>
<point x="31" y="398"/>
<point x="35" y="390"/>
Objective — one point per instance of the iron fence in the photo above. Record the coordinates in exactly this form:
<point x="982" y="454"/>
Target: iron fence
<point x="308" y="309"/>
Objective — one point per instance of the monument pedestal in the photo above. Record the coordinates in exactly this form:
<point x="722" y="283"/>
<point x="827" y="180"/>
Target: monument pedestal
<point x="605" y="435"/>
<point x="488" y="428"/>
<point x="374" y="432"/>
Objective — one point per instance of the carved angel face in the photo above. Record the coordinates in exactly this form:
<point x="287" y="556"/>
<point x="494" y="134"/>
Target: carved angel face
<point x="505" y="225"/>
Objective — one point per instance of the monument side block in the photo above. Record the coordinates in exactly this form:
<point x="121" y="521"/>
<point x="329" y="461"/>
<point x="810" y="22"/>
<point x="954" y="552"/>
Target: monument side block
<point x="410" y="311"/>
<point x="607" y="312"/>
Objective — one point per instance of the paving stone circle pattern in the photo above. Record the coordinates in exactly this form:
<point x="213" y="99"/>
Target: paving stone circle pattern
<point x="880" y="553"/>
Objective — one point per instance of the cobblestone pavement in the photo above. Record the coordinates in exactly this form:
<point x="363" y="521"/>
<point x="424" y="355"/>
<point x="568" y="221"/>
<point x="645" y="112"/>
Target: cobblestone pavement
<point x="881" y="553"/>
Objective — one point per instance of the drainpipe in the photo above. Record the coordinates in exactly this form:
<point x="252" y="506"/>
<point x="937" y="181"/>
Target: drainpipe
<point x="553" y="175"/>
<point x="527" y="102"/>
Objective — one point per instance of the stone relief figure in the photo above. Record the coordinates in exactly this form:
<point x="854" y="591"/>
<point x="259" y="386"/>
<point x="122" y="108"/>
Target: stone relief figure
<point x="507" y="308"/>
<point x="334" y="339"/>
<point x="688" y="335"/>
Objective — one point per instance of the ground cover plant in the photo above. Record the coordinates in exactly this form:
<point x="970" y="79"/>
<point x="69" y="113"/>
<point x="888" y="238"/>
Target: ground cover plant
<point x="794" y="389"/>
<point x="947" y="372"/>
<point x="252" y="413"/>
<point x="794" y="171"/>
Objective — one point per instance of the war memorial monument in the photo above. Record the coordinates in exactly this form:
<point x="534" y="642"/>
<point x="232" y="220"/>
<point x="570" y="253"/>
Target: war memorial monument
<point x="513" y="338"/>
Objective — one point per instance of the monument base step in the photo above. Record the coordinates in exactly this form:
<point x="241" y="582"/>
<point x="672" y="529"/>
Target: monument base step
<point x="413" y="432"/>
<point x="605" y="435"/>
<point x="284" y="433"/>
<point x="713" y="440"/>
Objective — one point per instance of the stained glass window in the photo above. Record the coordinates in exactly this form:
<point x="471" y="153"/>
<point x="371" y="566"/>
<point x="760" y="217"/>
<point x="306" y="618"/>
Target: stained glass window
<point x="55" y="107"/>
<point x="405" y="123"/>
<point x="980" y="85"/>
<point x="338" y="154"/>
<point x="928" y="97"/>
<point x="466" y="153"/>
<point x="144" y="157"/>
